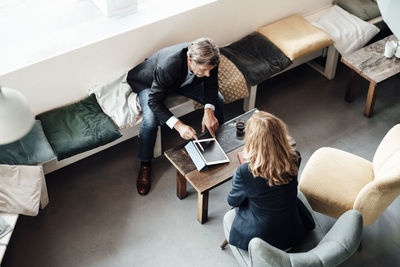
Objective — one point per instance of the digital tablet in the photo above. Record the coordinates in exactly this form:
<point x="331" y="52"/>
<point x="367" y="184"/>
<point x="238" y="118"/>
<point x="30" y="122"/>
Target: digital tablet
<point x="210" y="151"/>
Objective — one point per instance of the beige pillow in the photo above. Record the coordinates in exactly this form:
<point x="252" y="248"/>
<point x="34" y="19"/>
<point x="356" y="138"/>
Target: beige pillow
<point x="231" y="82"/>
<point x="20" y="189"/>
<point x="295" y="36"/>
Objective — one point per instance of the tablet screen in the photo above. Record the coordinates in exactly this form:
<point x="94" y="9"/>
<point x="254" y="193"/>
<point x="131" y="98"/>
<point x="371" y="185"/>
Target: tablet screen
<point x="211" y="151"/>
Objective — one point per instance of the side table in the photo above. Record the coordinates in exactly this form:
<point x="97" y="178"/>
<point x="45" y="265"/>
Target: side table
<point x="370" y="63"/>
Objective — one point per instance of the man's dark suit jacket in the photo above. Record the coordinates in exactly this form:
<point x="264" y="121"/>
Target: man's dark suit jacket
<point x="164" y="72"/>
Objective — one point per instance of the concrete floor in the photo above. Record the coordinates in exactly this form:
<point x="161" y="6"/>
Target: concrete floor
<point x="96" y="217"/>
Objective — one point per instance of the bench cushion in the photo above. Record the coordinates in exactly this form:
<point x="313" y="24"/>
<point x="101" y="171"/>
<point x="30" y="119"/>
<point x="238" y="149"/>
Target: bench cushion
<point x="231" y="81"/>
<point x="20" y="189"/>
<point x="118" y="101"/>
<point x="256" y="57"/>
<point x="32" y="149"/>
<point x="295" y="36"/>
<point x="348" y="31"/>
<point x="364" y="9"/>
<point x="78" y="127"/>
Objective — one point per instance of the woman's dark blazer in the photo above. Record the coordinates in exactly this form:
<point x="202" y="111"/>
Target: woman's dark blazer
<point x="262" y="211"/>
<point x="164" y="72"/>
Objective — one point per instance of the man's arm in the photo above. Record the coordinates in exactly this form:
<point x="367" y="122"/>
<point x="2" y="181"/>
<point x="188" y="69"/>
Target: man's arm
<point x="159" y="91"/>
<point x="211" y="87"/>
<point x="211" y="97"/>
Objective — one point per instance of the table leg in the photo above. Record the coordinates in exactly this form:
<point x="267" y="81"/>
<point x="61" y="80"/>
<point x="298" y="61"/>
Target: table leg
<point x="180" y="185"/>
<point x="369" y="104"/>
<point x="349" y="97"/>
<point x="202" y="208"/>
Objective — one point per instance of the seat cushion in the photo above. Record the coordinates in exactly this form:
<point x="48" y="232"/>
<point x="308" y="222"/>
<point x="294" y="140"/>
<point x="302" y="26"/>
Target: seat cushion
<point x="32" y="149"/>
<point x="20" y="189"/>
<point x="78" y="127"/>
<point x="332" y="179"/>
<point x="256" y="57"/>
<point x="364" y="9"/>
<point x="118" y="101"/>
<point x="231" y="81"/>
<point x="348" y="31"/>
<point x="295" y="36"/>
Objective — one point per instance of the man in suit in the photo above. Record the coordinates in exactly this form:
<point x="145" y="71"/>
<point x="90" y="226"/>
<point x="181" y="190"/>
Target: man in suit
<point x="189" y="69"/>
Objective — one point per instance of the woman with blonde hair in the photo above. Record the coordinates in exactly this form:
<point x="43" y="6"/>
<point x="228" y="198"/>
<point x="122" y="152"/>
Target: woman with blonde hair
<point x="264" y="187"/>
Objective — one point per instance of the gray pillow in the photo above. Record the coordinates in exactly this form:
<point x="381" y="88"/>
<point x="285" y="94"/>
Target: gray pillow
<point x="32" y="149"/>
<point x="364" y="9"/>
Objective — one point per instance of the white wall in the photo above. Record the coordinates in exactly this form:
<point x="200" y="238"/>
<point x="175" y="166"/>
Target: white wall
<point x="65" y="78"/>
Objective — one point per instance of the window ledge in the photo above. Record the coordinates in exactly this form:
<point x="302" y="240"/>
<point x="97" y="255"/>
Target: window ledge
<point x="41" y="29"/>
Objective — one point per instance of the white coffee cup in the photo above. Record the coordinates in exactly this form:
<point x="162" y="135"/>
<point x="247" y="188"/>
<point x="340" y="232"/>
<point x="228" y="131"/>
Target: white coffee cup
<point x="397" y="54"/>
<point x="390" y="49"/>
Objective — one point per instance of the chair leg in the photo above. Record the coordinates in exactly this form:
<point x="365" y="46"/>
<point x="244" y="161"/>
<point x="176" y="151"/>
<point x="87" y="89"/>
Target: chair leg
<point x="360" y="247"/>
<point x="223" y="245"/>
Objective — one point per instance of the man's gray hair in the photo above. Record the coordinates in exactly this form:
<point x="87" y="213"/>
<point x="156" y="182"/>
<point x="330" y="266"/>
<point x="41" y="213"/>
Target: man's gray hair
<point x="204" y="51"/>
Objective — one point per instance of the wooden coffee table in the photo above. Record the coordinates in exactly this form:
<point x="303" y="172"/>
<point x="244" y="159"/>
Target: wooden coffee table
<point x="370" y="63"/>
<point x="204" y="181"/>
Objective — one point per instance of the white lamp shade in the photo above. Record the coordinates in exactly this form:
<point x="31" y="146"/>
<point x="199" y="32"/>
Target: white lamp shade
<point x="16" y="118"/>
<point x="390" y="11"/>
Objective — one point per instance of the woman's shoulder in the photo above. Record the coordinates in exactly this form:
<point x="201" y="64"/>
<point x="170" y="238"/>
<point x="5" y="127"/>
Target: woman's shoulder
<point x="243" y="168"/>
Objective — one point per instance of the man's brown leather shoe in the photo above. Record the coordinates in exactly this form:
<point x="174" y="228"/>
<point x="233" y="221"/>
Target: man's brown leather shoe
<point x="143" y="181"/>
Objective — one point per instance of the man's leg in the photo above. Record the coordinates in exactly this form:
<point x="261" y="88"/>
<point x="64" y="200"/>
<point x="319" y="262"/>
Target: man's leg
<point x="197" y="93"/>
<point x="148" y="135"/>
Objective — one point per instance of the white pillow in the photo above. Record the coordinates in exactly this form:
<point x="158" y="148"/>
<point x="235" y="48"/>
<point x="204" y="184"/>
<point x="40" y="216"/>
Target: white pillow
<point x="118" y="101"/>
<point x="348" y="31"/>
<point x="21" y="189"/>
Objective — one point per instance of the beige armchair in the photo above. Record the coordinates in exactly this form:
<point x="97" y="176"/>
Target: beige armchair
<point x="335" y="181"/>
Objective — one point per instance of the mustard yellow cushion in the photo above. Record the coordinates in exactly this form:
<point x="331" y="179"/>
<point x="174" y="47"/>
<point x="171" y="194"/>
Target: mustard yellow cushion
<point x="295" y="36"/>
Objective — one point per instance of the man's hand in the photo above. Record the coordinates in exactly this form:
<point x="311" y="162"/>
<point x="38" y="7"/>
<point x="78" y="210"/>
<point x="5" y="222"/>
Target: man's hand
<point x="210" y="122"/>
<point x="185" y="131"/>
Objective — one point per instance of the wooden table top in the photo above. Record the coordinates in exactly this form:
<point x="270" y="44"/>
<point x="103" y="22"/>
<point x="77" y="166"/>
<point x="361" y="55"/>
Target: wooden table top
<point x="226" y="136"/>
<point x="371" y="63"/>
<point x="214" y="175"/>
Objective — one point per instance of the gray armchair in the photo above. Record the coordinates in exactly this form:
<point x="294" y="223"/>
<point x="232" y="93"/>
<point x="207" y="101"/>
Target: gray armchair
<point x="335" y="247"/>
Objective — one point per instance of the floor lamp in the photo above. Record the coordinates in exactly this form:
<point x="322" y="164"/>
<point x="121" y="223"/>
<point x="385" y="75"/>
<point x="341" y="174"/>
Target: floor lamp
<point x="16" y="118"/>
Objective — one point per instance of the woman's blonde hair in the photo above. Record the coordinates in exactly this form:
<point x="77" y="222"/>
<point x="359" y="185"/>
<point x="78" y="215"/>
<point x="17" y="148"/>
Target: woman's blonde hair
<point x="267" y="149"/>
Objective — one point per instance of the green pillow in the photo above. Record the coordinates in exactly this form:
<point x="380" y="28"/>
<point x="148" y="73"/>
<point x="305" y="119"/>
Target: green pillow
<point x="78" y="127"/>
<point x="364" y="9"/>
<point x="32" y="149"/>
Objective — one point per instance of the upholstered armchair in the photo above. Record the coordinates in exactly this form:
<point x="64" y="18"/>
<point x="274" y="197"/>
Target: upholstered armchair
<point x="335" y="247"/>
<point x="335" y="181"/>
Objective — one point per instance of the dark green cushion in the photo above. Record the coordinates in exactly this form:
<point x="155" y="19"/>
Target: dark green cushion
<point x="364" y="9"/>
<point x="32" y="149"/>
<point x="78" y="127"/>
